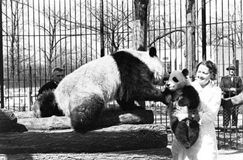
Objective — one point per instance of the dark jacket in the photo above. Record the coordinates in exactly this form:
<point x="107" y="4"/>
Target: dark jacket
<point x="226" y="84"/>
<point x="48" y="86"/>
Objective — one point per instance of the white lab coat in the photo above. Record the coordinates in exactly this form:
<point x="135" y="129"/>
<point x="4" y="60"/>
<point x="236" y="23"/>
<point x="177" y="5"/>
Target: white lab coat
<point x="206" y="144"/>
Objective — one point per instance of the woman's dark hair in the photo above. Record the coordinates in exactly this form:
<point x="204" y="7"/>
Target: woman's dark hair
<point x="211" y="66"/>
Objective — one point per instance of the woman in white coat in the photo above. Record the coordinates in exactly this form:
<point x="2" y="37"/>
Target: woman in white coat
<point x="210" y="97"/>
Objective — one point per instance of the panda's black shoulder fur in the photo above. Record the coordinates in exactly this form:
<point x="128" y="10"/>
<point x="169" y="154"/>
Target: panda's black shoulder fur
<point x="132" y="71"/>
<point x="191" y="93"/>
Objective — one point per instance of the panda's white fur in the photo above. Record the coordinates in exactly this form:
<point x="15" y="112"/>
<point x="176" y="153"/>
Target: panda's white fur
<point x="96" y="77"/>
<point x="83" y="93"/>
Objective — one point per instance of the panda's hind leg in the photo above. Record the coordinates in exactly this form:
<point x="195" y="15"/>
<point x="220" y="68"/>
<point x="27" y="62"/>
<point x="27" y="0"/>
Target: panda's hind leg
<point x="181" y="134"/>
<point x="84" y="116"/>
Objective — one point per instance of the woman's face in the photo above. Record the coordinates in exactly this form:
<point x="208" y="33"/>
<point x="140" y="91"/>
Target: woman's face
<point x="203" y="75"/>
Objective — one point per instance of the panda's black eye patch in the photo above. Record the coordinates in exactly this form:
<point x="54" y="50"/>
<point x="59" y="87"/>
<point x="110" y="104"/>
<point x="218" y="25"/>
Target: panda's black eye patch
<point x="175" y="79"/>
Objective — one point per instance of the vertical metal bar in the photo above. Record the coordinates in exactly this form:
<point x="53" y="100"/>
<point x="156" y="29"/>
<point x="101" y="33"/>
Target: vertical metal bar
<point x="46" y="50"/>
<point x="23" y="87"/>
<point x="90" y="31"/>
<point x="106" y="25"/>
<point x="81" y="34"/>
<point x="96" y="33"/>
<point x="7" y="52"/>
<point x="210" y="29"/>
<point x="198" y="41"/>
<point x="70" y="68"/>
<point x="235" y="41"/>
<point x="62" y="62"/>
<point x="18" y="60"/>
<point x="236" y="64"/>
<point x="34" y="69"/>
<point x="102" y="47"/>
<point x="39" y="46"/>
<point x="216" y="30"/>
<point x="204" y="30"/>
<point x="159" y="4"/>
<point x="65" y="33"/>
<point x="55" y="39"/>
<point x="12" y="69"/>
<point x="164" y="26"/>
<point x="145" y="27"/>
<point x="111" y="25"/>
<point x="128" y="29"/>
<point x="29" y="56"/>
<point x="1" y="58"/>
<point x="222" y="30"/>
<point x="75" y="32"/>
<point x="175" y="37"/>
<point x="218" y="65"/>
<point x="170" y="34"/>
<point x="229" y="30"/>
<point x="123" y="21"/>
<point x="181" y="36"/>
<point x="241" y="42"/>
<point x="85" y="31"/>
<point x="117" y="15"/>
<point x="229" y="55"/>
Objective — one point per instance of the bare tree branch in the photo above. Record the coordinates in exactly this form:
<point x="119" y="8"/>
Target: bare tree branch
<point x="166" y="34"/>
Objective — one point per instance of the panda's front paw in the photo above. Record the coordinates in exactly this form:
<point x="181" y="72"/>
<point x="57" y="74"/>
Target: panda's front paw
<point x="194" y="116"/>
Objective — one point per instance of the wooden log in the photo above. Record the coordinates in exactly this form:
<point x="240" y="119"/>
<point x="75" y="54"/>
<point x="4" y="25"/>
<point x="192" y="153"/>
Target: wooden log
<point x="147" y="154"/>
<point x="115" y="138"/>
<point x="108" y="118"/>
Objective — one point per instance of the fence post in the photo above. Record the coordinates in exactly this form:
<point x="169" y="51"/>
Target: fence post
<point x="1" y="58"/>
<point x="30" y="88"/>
<point x="204" y="51"/>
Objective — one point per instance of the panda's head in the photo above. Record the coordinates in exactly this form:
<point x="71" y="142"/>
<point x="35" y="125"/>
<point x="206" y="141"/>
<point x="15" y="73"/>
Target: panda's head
<point x="178" y="79"/>
<point x="155" y="65"/>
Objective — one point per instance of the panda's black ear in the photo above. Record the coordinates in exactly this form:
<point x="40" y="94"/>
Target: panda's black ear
<point x="152" y="52"/>
<point x="185" y="72"/>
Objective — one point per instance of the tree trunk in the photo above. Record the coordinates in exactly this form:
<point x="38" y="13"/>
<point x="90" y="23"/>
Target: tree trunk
<point x="140" y="24"/>
<point x="140" y="28"/>
<point x="190" y="36"/>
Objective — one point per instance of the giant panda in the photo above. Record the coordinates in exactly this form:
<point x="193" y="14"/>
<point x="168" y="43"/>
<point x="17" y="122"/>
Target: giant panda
<point x="185" y="104"/>
<point x="126" y="76"/>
